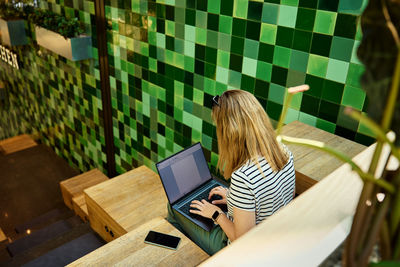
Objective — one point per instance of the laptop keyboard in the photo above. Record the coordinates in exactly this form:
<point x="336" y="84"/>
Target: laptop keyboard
<point x="204" y="195"/>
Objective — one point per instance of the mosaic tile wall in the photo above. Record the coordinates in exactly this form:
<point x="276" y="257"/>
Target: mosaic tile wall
<point x="169" y="57"/>
<point x="57" y="100"/>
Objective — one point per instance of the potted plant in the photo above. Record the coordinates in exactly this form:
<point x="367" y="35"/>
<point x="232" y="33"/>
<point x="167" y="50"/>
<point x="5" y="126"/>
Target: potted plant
<point x="12" y="23"/>
<point x="61" y="35"/>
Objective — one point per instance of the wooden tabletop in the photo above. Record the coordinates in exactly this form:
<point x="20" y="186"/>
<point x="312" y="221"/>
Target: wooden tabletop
<point x="125" y="202"/>
<point x="130" y="250"/>
<point x="312" y="165"/>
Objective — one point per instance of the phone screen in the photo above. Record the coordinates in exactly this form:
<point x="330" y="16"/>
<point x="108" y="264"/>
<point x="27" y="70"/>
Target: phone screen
<point x="163" y="240"/>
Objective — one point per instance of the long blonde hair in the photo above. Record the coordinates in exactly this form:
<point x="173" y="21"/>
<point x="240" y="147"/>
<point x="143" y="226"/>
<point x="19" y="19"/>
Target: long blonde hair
<point x="244" y="133"/>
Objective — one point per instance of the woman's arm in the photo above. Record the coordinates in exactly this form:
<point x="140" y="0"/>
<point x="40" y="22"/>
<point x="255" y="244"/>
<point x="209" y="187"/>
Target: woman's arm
<point x="244" y="220"/>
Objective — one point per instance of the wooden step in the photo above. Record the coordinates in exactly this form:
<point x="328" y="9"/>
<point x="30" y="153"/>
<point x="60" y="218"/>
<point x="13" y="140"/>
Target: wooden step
<point x="16" y="143"/>
<point x="3" y="237"/>
<point x="80" y="207"/>
<point x="44" y="220"/>
<point x="68" y="252"/>
<point x="74" y="186"/>
<point x="38" y="237"/>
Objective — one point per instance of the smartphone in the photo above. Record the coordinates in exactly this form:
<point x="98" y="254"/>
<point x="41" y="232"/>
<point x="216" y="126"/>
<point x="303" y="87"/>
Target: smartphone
<point x="162" y="240"/>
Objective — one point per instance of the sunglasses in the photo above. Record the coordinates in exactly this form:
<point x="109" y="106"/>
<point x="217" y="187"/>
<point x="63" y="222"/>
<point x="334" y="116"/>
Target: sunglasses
<point x="215" y="100"/>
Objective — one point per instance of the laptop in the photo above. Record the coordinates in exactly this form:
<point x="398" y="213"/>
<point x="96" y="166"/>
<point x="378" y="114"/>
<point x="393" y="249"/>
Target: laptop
<point x="186" y="177"/>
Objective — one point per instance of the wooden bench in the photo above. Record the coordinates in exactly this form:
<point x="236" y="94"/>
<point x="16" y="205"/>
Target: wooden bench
<point x="312" y="165"/>
<point x="130" y="249"/>
<point x="73" y="187"/>
<point x="125" y="202"/>
<point x="80" y="208"/>
<point x="16" y="143"/>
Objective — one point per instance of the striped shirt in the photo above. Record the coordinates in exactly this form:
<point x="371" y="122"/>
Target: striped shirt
<point x="251" y="191"/>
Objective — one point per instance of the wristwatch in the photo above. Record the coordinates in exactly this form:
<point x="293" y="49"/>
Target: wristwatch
<point x="215" y="216"/>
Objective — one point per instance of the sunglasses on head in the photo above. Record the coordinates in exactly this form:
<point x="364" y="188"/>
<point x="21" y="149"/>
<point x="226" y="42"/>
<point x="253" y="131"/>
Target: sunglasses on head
<point x="215" y="100"/>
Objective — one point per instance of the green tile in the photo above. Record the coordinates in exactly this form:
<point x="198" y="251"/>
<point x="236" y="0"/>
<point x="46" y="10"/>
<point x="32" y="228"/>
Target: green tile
<point x="240" y="8"/>
<point x="295" y="78"/>
<point x="299" y="61"/>
<point x="268" y="33"/>
<point x="214" y="6"/>
<point x="276" y="93"/>
<point x="307" y="119"/>
<point x="225" y="24"/>
<point x="234" y="79"/>
<point x="222" y="75"/>
<point x="223" y="59"/>
<point x="201" y="36"/>
<point x="305" y="19"/>
<point x="287" y="16"/>
<point x="342" y="48"/>
<point x="251" y="48"/>
<point x="201" y="19"/>
<point x="296" y="101"/>
<point x="270" y="13"/>
<point x="353" y="97"/>
<point x="326" y="125"/>
<point x="264" y="71"/>
<point x="346" y="121"/>
<point x="189" y="49"/>
<point x="281" y="56"/>
<point x="351" y="7"/>
<point x="291" y="115"/>
<point x="337" y="70"/>
<point x="325" y="22"/>
<point x="290" y="2"/>
<point x="190" y="33"/>
<point x="249" y="66"/>
<point x="317" y="65"/>
<point x="354" y="75"/>
<point x="332" y="91"/>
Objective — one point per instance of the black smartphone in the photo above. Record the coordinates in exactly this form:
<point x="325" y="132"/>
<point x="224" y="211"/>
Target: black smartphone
<point x="162" y="240"/>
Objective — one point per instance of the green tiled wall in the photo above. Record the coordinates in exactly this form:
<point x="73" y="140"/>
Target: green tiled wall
<point x="169" y="57"/>
<point x="56" y="99"/>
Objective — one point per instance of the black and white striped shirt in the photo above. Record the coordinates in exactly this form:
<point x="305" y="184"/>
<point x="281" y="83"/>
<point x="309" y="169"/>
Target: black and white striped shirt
<point x="265" y="194"/>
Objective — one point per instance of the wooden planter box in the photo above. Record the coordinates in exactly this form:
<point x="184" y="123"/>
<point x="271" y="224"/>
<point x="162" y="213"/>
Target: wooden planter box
<point x="77" y="48"/>
<point x="13" y="32"/>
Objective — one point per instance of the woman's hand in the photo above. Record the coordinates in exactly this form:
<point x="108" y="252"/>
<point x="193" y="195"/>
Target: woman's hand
<point x="203" y="208"/>
<point x="219" y="191"/>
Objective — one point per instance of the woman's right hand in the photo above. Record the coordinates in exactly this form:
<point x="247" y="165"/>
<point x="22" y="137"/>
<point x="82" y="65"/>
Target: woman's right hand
<point x="219" y="191"/>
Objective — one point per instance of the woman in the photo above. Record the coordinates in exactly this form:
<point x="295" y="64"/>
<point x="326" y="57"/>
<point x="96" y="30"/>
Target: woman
<point x="261" y="171"/>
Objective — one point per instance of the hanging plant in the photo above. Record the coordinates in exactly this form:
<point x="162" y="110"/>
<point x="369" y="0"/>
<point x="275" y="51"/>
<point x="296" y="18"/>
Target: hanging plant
<point x="15" y="10"/>
<point x="49" y="20"/>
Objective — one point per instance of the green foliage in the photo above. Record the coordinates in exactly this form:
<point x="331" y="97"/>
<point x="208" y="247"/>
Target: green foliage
<point x="54" y="22"/>
<point x="12" y="11"/>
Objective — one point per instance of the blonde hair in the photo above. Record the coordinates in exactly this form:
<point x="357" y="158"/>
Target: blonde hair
<point x="244" y="133"/>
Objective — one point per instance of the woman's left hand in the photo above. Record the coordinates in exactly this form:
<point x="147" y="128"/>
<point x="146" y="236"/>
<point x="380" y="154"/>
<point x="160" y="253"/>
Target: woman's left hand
<point x="203" y="208"/>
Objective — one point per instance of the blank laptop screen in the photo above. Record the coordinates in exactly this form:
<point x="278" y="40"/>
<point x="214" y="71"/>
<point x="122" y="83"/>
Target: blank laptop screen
<point x="183" y="172"/>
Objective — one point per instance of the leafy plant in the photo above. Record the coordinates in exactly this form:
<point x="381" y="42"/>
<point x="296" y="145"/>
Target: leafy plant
<point x="12" y="11"/>
<point x="54" y="22"/>
<point x="377" y="218"/>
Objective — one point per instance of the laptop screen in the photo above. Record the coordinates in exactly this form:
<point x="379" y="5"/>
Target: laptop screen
<point x="183" y="172"/>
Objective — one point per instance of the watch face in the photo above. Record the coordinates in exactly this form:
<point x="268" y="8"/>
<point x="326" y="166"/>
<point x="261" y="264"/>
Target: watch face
<point x="215" y="215"/>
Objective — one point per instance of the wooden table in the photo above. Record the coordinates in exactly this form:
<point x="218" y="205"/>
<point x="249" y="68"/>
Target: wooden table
<point x="130" y="250"/>
<point x="312" y="165"/>
<point x="125" y="202"/>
